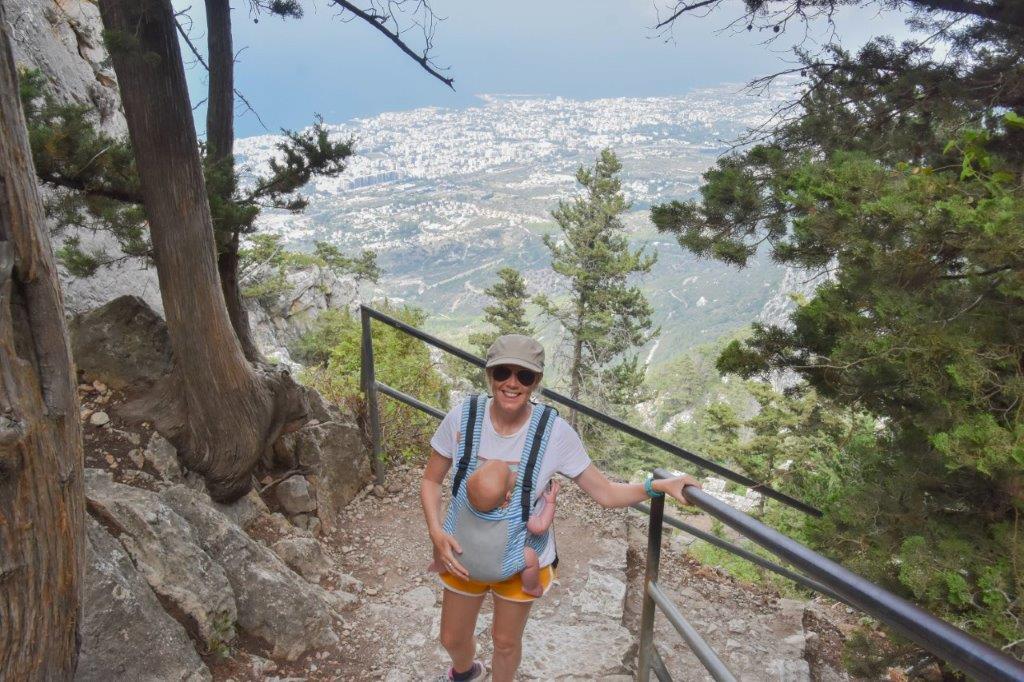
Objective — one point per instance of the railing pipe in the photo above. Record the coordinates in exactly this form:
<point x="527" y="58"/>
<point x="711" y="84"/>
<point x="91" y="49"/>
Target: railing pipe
<point x="409" y="400"/>
<point x="658" y="666"/>
<point x="369" y="382"/>
<point x="423" y="336"/>
<point x="700" y="648"/>
<point x="646" y="652"/>
<point x="947" y="642"/>
<point x="713" y="539"/>
<point x="607" y="419"/>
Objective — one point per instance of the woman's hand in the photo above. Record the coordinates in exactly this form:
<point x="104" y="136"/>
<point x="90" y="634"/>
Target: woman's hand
<point x="673" y="487"/>
<point x="445" y="549"/>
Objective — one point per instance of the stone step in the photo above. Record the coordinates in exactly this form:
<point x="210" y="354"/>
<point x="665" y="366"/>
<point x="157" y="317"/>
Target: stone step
<point x="574" y="633"/>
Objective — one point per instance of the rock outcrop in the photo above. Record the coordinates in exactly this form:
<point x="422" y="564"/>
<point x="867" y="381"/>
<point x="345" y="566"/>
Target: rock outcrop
<point x="331" y="447"/>
<point x="126" y="634"/>
<point x="124" y="341"/>
<point x="277" y="324"/>
<point x="274" y="603"/>
<point x="167" y="554"/>
<point x="62" y="38"/>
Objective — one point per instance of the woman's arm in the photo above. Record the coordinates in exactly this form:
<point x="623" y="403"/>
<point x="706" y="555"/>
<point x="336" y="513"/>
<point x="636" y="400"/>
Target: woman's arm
<point x="445" y="546"/>
<point x="613" y="494"/>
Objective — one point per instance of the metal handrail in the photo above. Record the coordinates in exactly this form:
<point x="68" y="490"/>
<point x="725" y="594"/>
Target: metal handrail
<point x="655" y="598"/>
<point x="701" y="649"/>
<point x="933" y="634"/>
<point x="713" y="539"/>
<point x="369" y="385"/>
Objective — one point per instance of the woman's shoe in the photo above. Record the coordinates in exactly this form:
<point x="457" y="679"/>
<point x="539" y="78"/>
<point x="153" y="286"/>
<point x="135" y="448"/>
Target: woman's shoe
<point x="475" y="673"/>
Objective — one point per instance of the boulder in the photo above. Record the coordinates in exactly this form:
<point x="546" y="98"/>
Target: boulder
<point x="244" y="510"/>
<point x="274" y="603"/>
<point x="124" y="341"/>
<point x="126" y="634"/>
<point x="167" y="555"/>
<point x="305" y="556"/>
<point x="163" y="457"/>
<point x="295" y="496"/>
<point x="336" y="453"/>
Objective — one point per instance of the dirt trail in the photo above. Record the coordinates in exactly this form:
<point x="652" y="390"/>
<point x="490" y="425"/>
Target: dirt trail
<point x="585" y="627"/>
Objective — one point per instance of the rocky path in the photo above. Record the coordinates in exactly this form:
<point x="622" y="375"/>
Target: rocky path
<point x="584" y="629"/>
<point x="352" y="600"/>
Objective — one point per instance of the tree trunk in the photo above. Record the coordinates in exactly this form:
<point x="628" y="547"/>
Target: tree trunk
<point x="221" y="413"/>
<point x="220" y="151"/>
<point x="220" y="102"/>
<point x="575" y="377"/>
<point x="227" y="266"/>
<point x="41" y="497"/>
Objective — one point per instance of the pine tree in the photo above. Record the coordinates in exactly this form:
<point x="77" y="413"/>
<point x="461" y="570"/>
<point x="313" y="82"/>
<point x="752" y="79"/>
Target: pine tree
<point x="508" y="312"/>
<point x="220" y="411"/>
<point x="94" y="183"/>
<point x="605" y="316"/>
<point x="897" y="178"/>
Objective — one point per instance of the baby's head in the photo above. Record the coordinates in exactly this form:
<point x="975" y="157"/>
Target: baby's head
<point x="488" y="487"/>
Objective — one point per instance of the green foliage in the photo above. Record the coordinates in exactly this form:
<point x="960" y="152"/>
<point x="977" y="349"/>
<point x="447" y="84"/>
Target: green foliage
<point x="862" y="655"/>
<point x="301" y="156"/>
<point x="96" y="185"/>
<point x="264" y="265"/>
<point x="606" y="316"/>
<point x="899" y="182"/>
<point x="222" y="637"/>
<point x="332" y="348"/>
<point x="282" y="8"/>
<point x="92" y="174"/>
<point x="507" y="314"/>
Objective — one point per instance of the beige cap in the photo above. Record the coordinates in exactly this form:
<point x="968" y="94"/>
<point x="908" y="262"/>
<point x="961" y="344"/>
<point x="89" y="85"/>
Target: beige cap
<point x="516" y="349"/>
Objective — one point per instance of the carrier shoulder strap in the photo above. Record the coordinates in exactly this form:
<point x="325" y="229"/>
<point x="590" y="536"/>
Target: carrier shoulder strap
<point x="467" y="445"/>
<point x="531" y="462"/>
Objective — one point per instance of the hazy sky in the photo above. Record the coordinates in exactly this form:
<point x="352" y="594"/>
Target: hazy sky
<point x="584" y="49"/>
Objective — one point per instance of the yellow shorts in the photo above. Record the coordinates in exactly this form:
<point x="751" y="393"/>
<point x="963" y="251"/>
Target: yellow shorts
<point x="510" y="589"/>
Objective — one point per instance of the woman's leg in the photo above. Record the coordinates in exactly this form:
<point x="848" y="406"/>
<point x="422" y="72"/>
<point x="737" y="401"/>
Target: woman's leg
<point x="458" y="622"/>
<point x="507" y="634"/>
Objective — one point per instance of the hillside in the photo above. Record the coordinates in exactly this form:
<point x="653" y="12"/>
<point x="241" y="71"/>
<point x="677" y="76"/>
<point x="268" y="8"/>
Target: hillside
<point x="446" y="197"/>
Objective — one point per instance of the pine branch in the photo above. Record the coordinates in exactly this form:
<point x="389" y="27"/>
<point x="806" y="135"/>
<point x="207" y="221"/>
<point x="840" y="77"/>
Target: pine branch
<point x="199" y="58"/>
<point x="683" y="10"/>
<point x="378" y="22"/>
<point x="80" y="185"/>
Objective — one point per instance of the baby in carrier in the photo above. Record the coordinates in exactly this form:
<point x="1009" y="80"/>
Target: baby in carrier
<point x="490" y="487"/>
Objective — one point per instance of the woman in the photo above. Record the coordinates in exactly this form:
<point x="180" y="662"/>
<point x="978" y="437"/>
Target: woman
<point x="515" y="365"/>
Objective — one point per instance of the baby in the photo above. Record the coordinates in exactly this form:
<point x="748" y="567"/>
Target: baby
<point x="490" y="487"/>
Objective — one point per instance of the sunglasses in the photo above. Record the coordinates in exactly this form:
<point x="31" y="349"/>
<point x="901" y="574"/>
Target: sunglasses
<point x="525" y="376"/>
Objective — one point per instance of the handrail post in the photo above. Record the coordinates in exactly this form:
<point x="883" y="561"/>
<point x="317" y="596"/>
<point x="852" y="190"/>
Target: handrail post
<point x="368" y="378"/>
<point x="646" y="653"/>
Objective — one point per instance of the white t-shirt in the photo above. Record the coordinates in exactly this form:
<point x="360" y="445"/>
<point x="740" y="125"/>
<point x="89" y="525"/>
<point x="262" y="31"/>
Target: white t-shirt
<point x="565" y="453"/>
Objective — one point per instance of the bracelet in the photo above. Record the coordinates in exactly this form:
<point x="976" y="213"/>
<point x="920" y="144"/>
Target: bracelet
<point x="649" y="488"/>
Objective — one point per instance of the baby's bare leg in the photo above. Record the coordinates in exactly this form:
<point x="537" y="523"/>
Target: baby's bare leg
<point x="530" y="575"/>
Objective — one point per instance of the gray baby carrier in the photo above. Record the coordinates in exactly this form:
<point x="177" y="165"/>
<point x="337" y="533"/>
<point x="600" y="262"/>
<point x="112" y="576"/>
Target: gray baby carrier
<point x="493" y="542"/>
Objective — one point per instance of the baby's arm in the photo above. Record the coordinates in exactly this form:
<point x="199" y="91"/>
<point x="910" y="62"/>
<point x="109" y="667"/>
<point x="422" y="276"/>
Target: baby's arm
<point x="540" y="522"/>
